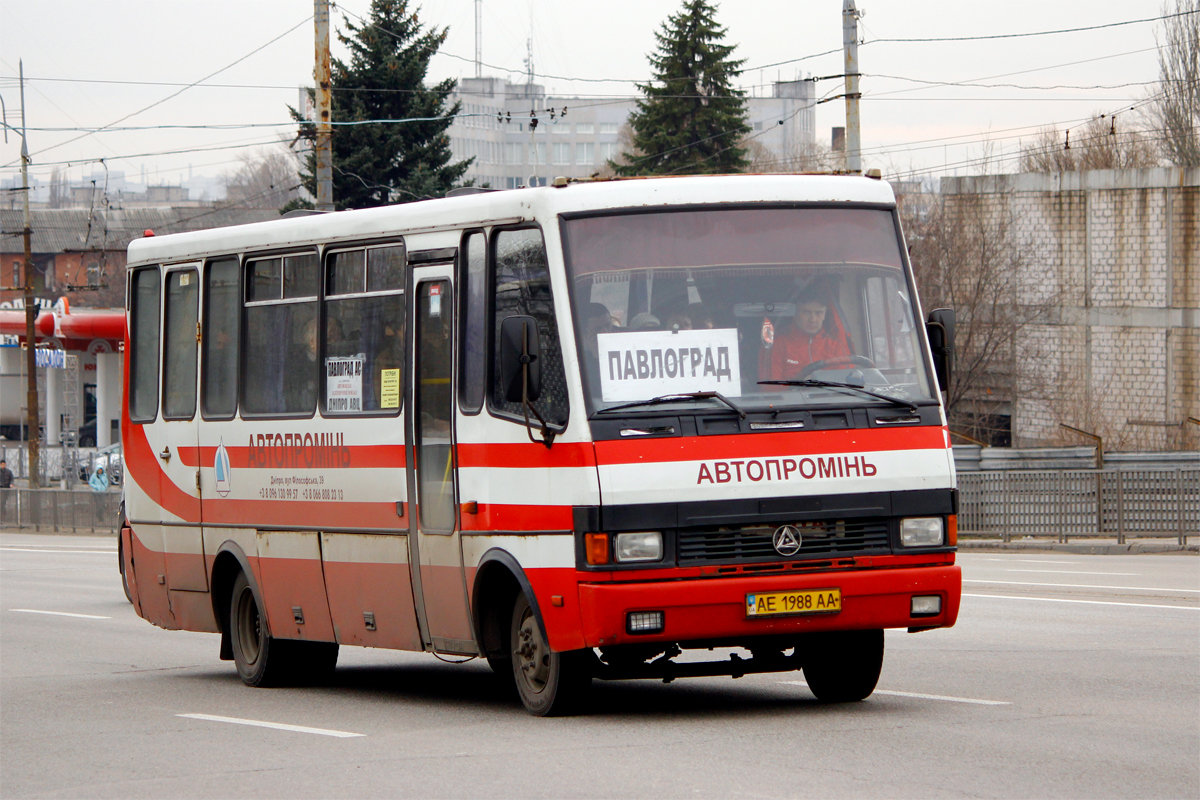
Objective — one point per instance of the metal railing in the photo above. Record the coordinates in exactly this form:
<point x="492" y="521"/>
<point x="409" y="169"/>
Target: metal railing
<point x="60" y="510"/>
<point x="1081" y="503"/>
<point x="56" y="462"/>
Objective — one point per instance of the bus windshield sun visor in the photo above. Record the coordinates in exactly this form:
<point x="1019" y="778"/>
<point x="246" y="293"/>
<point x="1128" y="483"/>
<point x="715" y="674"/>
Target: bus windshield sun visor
<point x="835" y="385"/>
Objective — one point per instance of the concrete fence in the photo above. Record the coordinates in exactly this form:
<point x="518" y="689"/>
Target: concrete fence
<point x="1081" y="503"/>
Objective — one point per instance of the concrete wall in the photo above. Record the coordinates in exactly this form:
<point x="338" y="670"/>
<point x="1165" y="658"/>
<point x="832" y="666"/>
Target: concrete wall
<point x="1115" y="255"/>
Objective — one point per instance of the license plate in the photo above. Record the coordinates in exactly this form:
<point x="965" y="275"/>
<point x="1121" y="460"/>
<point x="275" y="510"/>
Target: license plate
<point x="778" y="604"/>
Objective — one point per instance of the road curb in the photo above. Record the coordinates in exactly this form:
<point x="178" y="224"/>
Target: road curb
<point x="1082" y="548"/>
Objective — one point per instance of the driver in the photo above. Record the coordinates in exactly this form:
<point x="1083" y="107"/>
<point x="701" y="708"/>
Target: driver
<point x="809" y="337"/>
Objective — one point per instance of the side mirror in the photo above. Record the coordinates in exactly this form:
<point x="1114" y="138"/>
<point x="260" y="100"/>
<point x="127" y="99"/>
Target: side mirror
<point x="520" y="347"/>
<point x="940" y="329"/>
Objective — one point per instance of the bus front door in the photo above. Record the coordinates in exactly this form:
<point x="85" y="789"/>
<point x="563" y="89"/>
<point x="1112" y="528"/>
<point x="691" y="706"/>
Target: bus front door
<point x="176" y="442"/>
<point x="439" y="586"/>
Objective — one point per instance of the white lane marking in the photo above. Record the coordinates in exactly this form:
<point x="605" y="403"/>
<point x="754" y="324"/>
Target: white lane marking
<point x="31" y="550"/>
<point x="1085" y="602"/>
<point x="1027" y="561"/>
<point x="1084" y="586"/>
<point x="257" y="723"/>
<point x="58" y="613"/>
<point x="1071" y="572"/>
<point x="924" y="696"/>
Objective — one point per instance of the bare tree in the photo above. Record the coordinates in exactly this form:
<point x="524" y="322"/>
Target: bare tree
<point x="1097" y="145"/>
<point x="801" y="157"/>
<point x="266" y="179"/>
<point x="1176" y="106"/>
<point x="967" y="255"/>
<point x="626" y="153"/>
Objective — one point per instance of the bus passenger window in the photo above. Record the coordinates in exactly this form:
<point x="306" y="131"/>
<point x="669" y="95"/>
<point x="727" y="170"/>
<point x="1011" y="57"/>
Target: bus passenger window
<point x="179" y="361"/>
<point x="282" y="336"/>
<point x="363" y="360"/>
<point x="473" y="285"/>
<point x="521" y="285"/>
<point x="143" y="344"/>
<point x="220" y="341"/>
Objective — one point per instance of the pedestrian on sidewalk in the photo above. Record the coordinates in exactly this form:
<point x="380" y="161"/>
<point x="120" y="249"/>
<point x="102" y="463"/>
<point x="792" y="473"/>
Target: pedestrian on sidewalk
<point x="98" y="481"/>
<point x="6" y="480"/>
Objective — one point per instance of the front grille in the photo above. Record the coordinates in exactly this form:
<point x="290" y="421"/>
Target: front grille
<point x="738" y="543"/>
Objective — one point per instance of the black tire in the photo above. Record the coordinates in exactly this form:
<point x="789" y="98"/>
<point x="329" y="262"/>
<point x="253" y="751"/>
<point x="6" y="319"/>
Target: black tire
<point x="121" y="567"/>
<point x="259" y="659"/>
<point x="843" y="666"/>
<point x="263" y="660"/>
<point x="121" y="525"/>
<point x="549" y="684"/>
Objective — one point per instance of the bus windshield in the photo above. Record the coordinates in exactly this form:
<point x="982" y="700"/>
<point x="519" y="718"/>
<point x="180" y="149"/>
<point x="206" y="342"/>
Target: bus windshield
<point x="724" y="300"/>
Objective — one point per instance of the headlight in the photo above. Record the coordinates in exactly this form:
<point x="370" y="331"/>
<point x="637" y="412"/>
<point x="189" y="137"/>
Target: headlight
<point x="921" y="532"/>
<point x="647" y="546"/>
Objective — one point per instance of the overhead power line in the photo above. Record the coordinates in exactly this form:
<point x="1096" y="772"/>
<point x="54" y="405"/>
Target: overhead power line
<point x="1033" y="33"/>
<point x="176" y="94"/>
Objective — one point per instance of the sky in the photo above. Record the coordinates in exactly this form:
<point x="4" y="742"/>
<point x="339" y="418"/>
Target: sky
<point x="90" y="64"/>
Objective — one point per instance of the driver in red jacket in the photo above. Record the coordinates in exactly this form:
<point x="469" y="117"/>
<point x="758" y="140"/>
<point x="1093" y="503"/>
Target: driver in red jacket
<point x="812" y="335"/>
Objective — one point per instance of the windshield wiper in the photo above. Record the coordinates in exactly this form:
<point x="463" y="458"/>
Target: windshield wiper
<point x="835" y="385"/>
<point x="670" y="398"/>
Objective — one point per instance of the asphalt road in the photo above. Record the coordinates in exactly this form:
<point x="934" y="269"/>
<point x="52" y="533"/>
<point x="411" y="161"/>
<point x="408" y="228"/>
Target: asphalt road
<point x="1067" y="676"/>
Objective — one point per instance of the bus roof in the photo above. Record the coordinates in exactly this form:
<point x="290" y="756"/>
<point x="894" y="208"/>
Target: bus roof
<point x="510" y="206"/>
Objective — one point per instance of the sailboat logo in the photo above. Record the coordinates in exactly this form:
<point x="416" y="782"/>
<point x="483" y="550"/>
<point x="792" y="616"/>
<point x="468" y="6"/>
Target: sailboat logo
<point x="221" y="467"/>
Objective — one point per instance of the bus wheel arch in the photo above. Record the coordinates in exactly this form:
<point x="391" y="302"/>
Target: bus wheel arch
<point x="498" y="581"/>
<point x="230" y="561"/>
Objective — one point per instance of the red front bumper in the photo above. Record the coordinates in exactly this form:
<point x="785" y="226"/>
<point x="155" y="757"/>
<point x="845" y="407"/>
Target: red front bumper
<point x="715" y="608"/>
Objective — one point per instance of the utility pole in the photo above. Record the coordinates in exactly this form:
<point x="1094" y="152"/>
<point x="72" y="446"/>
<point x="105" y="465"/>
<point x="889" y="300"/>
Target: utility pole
<point x="850" y="17"/>
<point x="31" y="391"/>
<point x="323" y="78"/>
<point x="478" y="38"/>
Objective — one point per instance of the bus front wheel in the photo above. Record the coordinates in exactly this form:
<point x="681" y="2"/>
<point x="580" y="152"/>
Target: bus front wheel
<point x="549" y="683"/>
<point x="843" y="666"/>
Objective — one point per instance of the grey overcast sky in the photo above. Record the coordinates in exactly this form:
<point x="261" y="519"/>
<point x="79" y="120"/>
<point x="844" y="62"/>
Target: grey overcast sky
<point x="77" y="53"/>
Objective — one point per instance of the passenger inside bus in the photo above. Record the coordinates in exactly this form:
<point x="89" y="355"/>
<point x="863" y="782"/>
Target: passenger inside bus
<point x="597" y="320"/>
<point x="813" y="335"/>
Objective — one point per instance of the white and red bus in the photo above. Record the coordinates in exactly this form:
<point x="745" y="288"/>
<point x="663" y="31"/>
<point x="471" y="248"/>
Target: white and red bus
<point x="576" y="430"/>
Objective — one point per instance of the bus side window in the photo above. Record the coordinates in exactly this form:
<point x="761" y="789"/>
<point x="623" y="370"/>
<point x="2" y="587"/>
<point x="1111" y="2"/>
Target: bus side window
<point x="179" y="353"/>
<point x="282" y="336"/>
<point x="521" y="285"/>
<point x="473" y="313"/>
<point x="222" y="321"/>
<point x="363" y="363"/>
<point x="143" y="345"/>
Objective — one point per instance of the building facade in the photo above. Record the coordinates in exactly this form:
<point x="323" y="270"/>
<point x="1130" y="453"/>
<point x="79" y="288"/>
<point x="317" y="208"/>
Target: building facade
<point x="1112" y="269"/>
<point x="520" y="136"/>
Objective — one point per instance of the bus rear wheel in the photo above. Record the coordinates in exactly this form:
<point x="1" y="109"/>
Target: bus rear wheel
<point x="263" y="660"/>
<point x="843" y="666"/>
<point x="550" y="684"/>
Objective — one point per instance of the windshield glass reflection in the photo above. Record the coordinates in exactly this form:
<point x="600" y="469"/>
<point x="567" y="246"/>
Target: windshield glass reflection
<point x="717" y="301"/>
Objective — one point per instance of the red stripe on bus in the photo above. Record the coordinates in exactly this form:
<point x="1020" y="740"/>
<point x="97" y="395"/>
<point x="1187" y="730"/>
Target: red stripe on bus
<point x="503" y="517"/>
<point x="700" y="448"/>
<point x="142" y="464"/>
<point x="306" y="513"/>
<point x="527" y="455"/>
<point x="377" y="456"/>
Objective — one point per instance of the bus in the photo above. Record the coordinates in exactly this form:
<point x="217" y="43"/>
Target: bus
<point x="586" y="431"/>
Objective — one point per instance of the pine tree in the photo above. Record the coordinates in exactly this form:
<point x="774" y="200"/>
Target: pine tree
<point x="381" y="163"/>
<point x="692" y="119"/>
